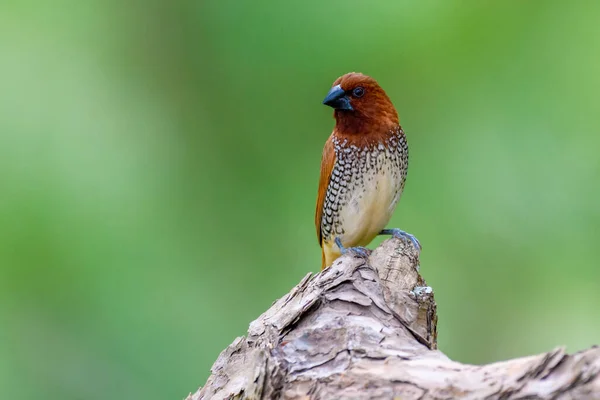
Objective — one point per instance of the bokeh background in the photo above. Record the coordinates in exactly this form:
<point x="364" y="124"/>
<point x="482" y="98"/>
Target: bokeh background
<point x="159" y="163"/>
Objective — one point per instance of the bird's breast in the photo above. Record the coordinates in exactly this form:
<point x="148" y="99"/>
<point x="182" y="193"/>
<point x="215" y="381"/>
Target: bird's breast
<point x="365" y="186"/>
<point x="370" y="201"/>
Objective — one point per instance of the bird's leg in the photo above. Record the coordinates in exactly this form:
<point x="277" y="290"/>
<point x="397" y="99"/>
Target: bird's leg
<point x="400" y="234"/>
<point x="361" y="251"/>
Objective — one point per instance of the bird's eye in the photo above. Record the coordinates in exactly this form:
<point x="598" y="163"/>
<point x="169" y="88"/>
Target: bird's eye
<point x="358" y="92"/>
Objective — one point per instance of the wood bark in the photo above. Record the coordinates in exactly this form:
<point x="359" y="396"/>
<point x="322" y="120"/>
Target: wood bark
<point x="365" y="328"/>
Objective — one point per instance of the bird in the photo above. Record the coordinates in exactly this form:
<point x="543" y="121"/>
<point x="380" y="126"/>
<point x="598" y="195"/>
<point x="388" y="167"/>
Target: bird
<point x="363" y="169"/>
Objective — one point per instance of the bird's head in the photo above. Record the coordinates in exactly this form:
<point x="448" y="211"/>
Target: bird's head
<point x="360" y="104"/>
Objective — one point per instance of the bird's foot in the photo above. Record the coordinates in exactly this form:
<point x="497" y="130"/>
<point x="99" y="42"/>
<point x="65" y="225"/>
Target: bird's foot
<point x="400" y="234"/>
<point x="360" y="251"/>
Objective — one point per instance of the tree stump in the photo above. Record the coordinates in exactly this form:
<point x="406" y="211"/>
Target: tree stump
<point x="366" y="329"/>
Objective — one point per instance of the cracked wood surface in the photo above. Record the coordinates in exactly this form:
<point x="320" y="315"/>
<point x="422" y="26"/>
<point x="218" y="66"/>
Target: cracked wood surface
<point x="366" y="329"/>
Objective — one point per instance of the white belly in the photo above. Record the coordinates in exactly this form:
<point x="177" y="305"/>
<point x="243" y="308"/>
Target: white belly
<point x="370" y="203"/>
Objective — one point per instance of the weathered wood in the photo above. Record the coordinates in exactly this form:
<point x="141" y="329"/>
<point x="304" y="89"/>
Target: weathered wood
<point x="366" y="329"/>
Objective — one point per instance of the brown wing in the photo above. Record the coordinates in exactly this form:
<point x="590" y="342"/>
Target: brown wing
<point x="327" y="163"/>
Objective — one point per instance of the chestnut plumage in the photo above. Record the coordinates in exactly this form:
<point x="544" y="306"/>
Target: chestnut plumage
<point x="363" y="167"/>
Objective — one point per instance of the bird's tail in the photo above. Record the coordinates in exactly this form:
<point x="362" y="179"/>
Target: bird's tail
<point x="322" y="259"/>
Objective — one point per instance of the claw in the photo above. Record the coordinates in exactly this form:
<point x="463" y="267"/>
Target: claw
<point x="400" y="234"/>
<point x="361" y="251"/>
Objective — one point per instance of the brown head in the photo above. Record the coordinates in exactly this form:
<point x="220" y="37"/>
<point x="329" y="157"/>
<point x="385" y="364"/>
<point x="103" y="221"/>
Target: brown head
<point x="361" y="105"/>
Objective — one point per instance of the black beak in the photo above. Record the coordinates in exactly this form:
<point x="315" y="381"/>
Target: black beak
<point x="337" y="99"/>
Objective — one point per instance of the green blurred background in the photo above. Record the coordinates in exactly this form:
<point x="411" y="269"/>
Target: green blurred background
<point x="159" y="163"/>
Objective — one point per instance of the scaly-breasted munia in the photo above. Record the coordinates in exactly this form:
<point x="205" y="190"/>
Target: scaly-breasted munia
<point x="363" y="168"/>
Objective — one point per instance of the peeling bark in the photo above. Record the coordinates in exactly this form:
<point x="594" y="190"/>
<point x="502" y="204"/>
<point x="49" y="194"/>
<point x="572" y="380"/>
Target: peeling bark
<point x="366" y="329"/>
